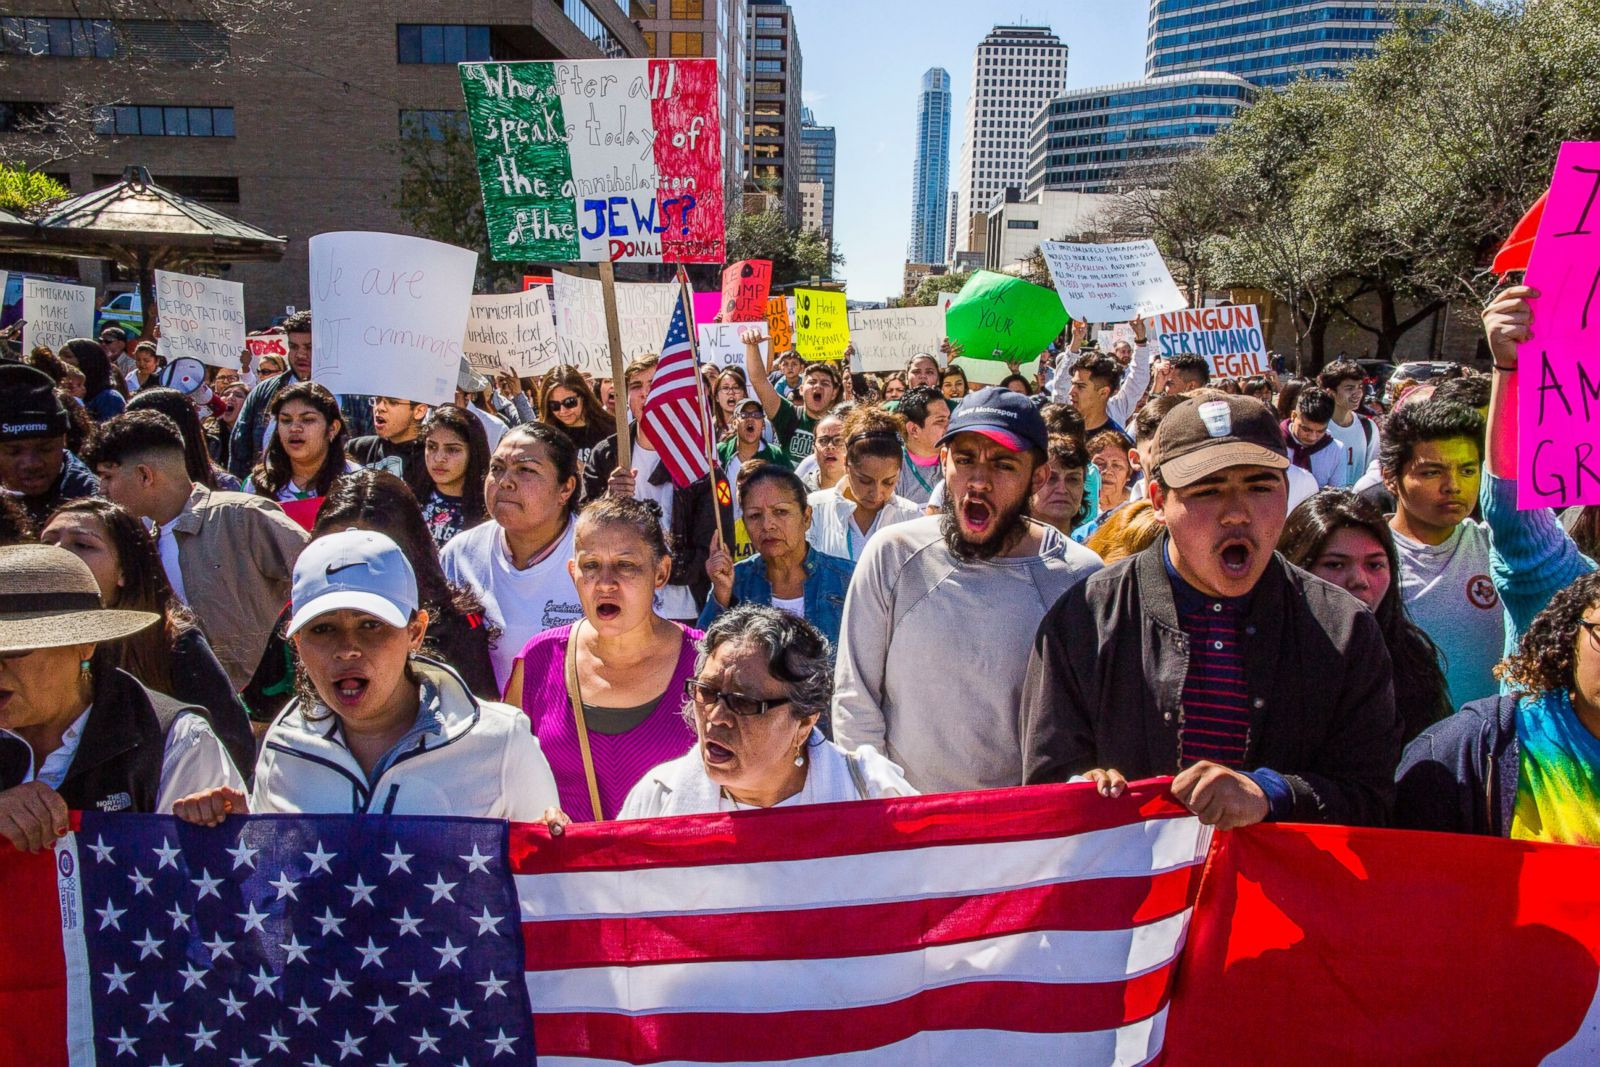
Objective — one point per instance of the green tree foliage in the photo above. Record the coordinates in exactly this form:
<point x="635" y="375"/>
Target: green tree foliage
<point x="439" y="197"/>
<point x="25" y="191"/>
<point x="926" y="294"/>
<point x="797" y="255"/>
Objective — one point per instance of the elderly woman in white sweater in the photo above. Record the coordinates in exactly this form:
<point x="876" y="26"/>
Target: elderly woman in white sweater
<point x="762" y="681"/>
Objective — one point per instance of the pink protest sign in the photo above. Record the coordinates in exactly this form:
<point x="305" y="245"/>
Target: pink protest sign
<point x="707" y="306"/>
<point x="1558" y="393"/>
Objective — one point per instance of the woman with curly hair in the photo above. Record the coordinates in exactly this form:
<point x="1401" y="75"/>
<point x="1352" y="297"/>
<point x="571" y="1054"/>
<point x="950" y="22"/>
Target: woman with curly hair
<point x="1525" y="765"/>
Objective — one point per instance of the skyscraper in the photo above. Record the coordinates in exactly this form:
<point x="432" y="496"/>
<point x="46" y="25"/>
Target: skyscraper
<point x="952" y="210"/>
<point x="1016" y="70"/>
<point x="930" y="176"/>
<point x="772" y="141"/>
<point x="1273" y="42"/>
<point x="818" y="151"/>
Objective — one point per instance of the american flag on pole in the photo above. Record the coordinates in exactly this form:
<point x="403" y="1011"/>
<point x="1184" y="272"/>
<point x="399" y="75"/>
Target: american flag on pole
<point x="673" y="418"/>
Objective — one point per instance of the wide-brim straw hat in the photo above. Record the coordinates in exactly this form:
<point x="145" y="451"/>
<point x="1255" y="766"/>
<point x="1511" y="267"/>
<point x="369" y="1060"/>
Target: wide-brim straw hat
<point x="49" y="598"/>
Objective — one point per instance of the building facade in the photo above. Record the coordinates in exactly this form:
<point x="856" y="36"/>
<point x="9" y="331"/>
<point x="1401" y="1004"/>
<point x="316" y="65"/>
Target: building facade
<point x="713" y="29"/>
<point x="1268" y="42"/>
<point x="1098" y="140"/>
<point x="811" y="206"/>
<point x="772" y="87"/>
<point x="930" y="174"/>
<point x="296" y="147"/>
<point x="819" y="154"/>
<point x="1018" y="223"/>
<point x="952" y="211"/>
<point x="1016" y="70"/>
<point x="915" y="274"/>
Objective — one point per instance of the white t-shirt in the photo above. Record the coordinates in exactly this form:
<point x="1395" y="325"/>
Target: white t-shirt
<point x="1353" y="444"/>
<point x="520" y="603"/>
<point x="797" y="606"/>
<point x="672" y="601"/>
<point x="167" y="544"/>
<point x="1449" y="591"/>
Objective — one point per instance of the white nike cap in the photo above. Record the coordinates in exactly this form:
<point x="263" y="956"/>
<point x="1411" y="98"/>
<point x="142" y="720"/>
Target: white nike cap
<point x="355" y="569"/>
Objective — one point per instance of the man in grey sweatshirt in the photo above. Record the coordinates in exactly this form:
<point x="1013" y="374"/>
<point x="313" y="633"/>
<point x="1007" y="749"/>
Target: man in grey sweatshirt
<point x="942" y="610"/>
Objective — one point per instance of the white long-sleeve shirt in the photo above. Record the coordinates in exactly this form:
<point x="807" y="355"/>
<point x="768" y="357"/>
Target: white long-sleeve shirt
<point x="1123" y="403"/>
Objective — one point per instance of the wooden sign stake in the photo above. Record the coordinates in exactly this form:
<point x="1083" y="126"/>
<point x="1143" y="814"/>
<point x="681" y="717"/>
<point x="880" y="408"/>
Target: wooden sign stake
<point x="619" y="385"/>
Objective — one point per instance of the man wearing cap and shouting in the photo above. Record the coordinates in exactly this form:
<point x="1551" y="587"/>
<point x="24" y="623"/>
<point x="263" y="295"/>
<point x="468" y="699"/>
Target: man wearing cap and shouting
<point x="34" y="462"/>
<point x="1174" y="661"/>
<point x="941" y="608"/>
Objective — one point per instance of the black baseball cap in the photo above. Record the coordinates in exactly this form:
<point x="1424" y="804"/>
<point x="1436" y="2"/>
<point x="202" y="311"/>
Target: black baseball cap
<point x="1006" y="417"/>
<point x="1212" y="431"/>
<point x="29" y="406"/>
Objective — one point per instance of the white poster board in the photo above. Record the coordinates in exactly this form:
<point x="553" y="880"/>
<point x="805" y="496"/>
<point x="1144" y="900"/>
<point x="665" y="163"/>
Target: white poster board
<point x="56" y="313"/>
<point x="886" y="338"/>
<point x="390" y="314"/>
<point x="720" y="345"/>
<point x="1112" y="282"/>
<point x="511" y="332"/>
<point x="201" y="318"/>
<point x="1230" y="337"/>
<point x="580" y="317"/>
<point x="644" y="315"/>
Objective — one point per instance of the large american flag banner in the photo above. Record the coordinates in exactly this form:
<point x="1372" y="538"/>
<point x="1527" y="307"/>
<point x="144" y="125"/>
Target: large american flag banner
<point x="1036" y="925"/>
<point x="673" y="420"/>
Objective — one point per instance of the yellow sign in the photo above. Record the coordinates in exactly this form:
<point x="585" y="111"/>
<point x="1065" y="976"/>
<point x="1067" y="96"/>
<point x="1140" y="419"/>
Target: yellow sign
<point x="821" y="324"/>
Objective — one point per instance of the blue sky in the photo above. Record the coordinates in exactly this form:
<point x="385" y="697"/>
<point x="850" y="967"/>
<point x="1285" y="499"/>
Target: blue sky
<point x="862" y="68"/>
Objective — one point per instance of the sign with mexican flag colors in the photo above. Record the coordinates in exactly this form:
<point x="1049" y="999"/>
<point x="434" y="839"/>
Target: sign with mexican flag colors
<point x="597" y="160"/>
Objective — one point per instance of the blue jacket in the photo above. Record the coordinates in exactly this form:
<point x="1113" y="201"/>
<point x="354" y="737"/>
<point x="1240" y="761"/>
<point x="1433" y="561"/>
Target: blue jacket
<point x="827" y="578"/>
<point x="1460" y="776"/>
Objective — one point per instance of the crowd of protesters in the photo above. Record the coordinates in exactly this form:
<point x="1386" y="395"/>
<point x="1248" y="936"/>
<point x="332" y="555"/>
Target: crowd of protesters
<point x="230" y="590"/>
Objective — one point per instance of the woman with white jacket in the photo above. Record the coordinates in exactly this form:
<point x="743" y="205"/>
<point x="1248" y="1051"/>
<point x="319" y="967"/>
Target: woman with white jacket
<point x="377" y="729"/>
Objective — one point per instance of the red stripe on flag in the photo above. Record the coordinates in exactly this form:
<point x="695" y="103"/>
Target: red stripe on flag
<point x="734" y="1037"/>
<point x="859" y="930"/>
<point x="852" y="828"/>
<point x="33" y="983"/>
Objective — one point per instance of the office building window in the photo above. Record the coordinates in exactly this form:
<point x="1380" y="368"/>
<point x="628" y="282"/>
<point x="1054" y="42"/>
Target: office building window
<point x="20" y="114"/>
<point x="688" y="9"/>
<point x="417" y="42"/>
<point x="589" y="24"/>
<point x="417" y="124"/>
<point x="650" y="42"/>
<point x="688" y="44"/>
<point x="764" y="66"/>
<point x="72" y="38"/>
<point x="1022" y="224"/>
<point x="158" y="120"/>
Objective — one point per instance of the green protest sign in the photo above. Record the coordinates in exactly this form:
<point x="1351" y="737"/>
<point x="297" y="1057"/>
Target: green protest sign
<point x="998" y="317"/>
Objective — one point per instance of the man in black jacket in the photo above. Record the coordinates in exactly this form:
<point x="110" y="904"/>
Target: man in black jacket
<point x="1266" y="691"/>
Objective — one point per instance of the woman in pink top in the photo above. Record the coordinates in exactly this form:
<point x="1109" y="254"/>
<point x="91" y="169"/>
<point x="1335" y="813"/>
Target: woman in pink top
<point x="605" y="694"/>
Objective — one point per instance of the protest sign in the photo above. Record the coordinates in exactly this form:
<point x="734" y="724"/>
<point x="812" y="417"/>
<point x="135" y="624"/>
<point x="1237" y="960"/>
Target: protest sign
<point x="580" y="318"/>
<point x="1229" y="336"/>
<point x="390" y="312"/>
<point x="201" y="318"/>
<point x="707" y="307"/>
<point x="1558" y="394"/>
<point x="1112" y="282"/>
<point x="610" y="160"/>
<point x="644" y="313"/>
<point x="821" y="324"/>
<point x="511" y="332"/>
<point x="745" y="285"/>
<point x="887" y="338"/>
<point x="266" y="344"/>
<point x="720" y="345"/>
<point x="531" y="280"/>
<point x="56" y="313"/>
<point x="998" y="317"/>
<point x="780" y="324"/>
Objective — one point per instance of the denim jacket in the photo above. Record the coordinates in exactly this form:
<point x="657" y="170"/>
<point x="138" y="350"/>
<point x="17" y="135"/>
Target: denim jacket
<point x="827" y="578"/>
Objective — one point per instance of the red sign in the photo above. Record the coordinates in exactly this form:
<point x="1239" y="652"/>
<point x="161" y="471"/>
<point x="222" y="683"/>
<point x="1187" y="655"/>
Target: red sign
<point x="531" y="280"/>
<point x="745" y="285"/>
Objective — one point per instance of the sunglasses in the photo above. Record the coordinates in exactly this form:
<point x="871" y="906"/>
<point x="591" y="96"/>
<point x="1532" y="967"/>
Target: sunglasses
<point x="566" y="405"/>
<point x="708" y="697"/>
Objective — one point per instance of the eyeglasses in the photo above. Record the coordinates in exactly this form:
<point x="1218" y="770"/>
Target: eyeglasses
<point x="1593" y="629"/>
<point x="754" y="416"/>
<point x="566" y="405"/>
<point x="708" y="697"/>
<point x="831" y="441"/>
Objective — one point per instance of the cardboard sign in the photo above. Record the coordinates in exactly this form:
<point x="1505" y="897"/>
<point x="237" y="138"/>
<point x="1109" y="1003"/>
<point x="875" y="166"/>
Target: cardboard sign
<point x="1229" y="336"/>
<point x="390" y="312"/>
<point x="821" y="324"/>
<point x="580" y="318"/>
<point x="745" y="286"/>
<point x="56" y="312"/>
<point x="266" y="344"/>
<point x="531" y="280"/>
<point x="511" y="332"/>
<point x="1113" y="282"/>
<point x="780" y="325"/>
<point x="887" y="338"/>
<point x="720" y="345"/>
<point x="1558" y="388"/>
<point x="644" y="313"/>
<point x="998" y="317"/>
<point x="601" y="159"/>
<point x="201" y="318"/>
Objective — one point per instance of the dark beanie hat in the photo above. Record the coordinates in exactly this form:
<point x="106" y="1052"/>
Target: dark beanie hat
<point x="29" y="406"/>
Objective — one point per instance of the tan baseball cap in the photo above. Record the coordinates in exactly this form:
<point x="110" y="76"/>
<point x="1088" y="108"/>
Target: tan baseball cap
<point x="1213" y="431"/>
